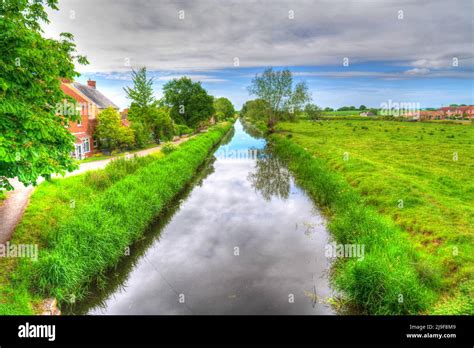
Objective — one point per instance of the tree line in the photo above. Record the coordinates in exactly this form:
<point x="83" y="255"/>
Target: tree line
<point x="185" y="107"/>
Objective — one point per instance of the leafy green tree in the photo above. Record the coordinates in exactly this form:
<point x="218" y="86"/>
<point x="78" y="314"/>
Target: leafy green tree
<point x="254" y="109"/>
<point x="139" y="113"/>
<point x="110" y="131"/>
<point x="224" y="108"/>
<point x="142" y="134"/>
<point x="141" y="93"/>
<point x="150" y="120"/>
<point x="162" y="125"/>
<point x="189" y="102"/>
<point x="33" y="139"/>
<point x="328" y="109"/>
<point x="276" y="89"/>
<point x="362" y="107"/>
<point x="313" y="111"/>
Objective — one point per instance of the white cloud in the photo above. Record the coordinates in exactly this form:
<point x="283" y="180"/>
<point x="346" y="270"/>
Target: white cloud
<point x="259" y="33"/>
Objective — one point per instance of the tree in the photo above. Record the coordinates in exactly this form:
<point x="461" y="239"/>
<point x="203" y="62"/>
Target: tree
<point x="313" y="111"/>
<point x="224" y="108"/>
<point x="162" y="125"/>
<point x="276" y="89"/>
<point x="139" y="112"/>
<point x="254" y="109"/>
<point x="149" y="120"/>
<point x="328" y="109"/>
<point x="362" y="107"/>
<point x="189" y="102"/>
<point x="33" y="139"/>
<point x="110" y="131"/>
<point x="142" y="92"/>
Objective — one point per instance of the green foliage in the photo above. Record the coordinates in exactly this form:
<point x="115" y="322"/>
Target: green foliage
<point x="189" y="102"/>
<point x="224" y="108"/>
<point x="168" y="148"/>
<point x="111" y="133"/>
<point x="142" y="92"/>
<point x="142" y="134"/>
<point x="162" y="125"/>
<point x="182" y="129"/>
<point x="255" y="109"/>
<point x="276" y="89"/>
<point x="313" y="112"/>
<point x="33" y="139"/>
<point x="151" y="119"/>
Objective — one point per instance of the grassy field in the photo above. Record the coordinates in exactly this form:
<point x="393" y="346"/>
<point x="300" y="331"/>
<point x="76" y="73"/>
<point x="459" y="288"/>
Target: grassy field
<point x="420" y="175"/>
<point x="82" y="224"/>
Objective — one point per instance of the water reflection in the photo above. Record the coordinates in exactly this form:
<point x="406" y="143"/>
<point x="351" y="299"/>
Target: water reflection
<point x="270" y="177"/>
<point x="228" y="248"/>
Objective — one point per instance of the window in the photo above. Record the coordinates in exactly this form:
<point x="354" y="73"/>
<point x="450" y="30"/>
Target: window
<point x="96" y="145"/>
<point x="86" y="144"/>
<point x="79" y="123"/>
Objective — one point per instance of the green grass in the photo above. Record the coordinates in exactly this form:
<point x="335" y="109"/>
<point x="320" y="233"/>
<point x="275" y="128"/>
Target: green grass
<point x="83" y="223"/>
<point x="100" y="157"/>
<point x="343" y="113"/>
<point x="405" y="186"/>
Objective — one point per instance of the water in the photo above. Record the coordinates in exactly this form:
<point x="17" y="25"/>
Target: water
<point x="243" y="239"/>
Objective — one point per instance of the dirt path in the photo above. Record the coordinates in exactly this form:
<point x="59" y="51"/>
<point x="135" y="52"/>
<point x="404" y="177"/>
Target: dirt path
<point x="17" y="200"/>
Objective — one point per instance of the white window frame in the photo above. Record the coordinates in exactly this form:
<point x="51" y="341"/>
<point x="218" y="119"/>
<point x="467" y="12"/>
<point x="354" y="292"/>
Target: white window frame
<point x="84" y="140"/>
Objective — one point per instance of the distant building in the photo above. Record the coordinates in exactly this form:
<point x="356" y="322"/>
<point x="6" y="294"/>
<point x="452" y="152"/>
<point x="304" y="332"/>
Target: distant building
<point x="89" y="102"/>
<point x="367" y="113"/>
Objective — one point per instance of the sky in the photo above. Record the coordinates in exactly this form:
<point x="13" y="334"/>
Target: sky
<point x="348" y="52"/>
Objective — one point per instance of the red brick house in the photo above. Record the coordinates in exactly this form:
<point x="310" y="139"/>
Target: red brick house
<point x="89" y="102"/>
<point x="458" y="111"/>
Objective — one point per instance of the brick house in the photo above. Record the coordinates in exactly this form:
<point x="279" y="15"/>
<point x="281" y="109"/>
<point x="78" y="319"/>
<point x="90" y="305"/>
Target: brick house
<point x="458" y="111"/>
<point x="89" y="102"/>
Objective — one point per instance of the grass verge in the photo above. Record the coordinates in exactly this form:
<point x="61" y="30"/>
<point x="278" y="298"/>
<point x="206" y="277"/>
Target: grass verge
<point x="418" y="175"/>
<point x="83" y="224"/>
<point x="387" y="280"/>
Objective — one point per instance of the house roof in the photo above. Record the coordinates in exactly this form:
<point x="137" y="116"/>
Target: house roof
<point x="72" y="93"/>
<point x="95" y="96"/>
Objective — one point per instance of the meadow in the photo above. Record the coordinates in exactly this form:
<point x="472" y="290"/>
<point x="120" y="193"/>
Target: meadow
<point x="84" y="223"/>
<point x="416" y="180"/>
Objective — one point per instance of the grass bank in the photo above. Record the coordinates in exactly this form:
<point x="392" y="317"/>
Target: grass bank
<point x="404" y="191"/>
<point x="84" y="224"/>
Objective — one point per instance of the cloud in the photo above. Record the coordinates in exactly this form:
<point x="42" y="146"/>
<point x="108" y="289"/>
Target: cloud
<point x="417" y="71"/>
<point x="260" y="33"/>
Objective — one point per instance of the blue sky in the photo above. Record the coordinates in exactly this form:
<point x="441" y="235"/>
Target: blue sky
<point x="404" y="51"/>
<point x="335" y="90"/>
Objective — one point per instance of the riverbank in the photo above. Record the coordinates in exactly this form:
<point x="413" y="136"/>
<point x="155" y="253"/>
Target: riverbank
<point x="413" y="263"/>
<point x="90" y="221"/>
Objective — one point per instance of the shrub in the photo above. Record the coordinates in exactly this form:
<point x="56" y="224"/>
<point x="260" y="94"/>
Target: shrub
<point x="182" y="129"/>
<point x="168" y="148"/>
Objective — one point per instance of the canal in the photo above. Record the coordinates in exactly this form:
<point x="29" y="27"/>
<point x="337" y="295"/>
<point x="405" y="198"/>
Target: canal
<point x="242" y="239"/>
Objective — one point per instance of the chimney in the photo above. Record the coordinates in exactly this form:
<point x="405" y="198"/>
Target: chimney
<point x="91" y="83"/>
